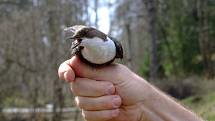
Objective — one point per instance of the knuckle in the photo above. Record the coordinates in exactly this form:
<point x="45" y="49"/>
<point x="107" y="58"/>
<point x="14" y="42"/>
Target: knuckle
<point x="116" y="101"/>
<point x="105" y="88"/>
<point x="110" y="102"/>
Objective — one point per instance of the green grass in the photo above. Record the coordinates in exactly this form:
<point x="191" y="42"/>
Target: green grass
<point x="203" y="105"/>
<point x="15" y="102"/>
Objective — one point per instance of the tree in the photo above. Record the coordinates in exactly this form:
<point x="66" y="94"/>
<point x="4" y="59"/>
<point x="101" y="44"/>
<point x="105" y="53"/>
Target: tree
<point x="151" y="8"/>
<point x="204" y="36"/>
<point x="96" y="2"/>
<point x="31" y="49"/>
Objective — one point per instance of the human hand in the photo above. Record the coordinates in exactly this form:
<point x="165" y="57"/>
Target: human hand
<point x="109" y="93"/>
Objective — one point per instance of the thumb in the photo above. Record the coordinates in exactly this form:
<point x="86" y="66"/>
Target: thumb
<point x="112" y="72"/>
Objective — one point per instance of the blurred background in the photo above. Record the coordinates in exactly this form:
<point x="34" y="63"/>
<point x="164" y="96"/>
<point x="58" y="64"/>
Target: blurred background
<point x="171" y="43"/>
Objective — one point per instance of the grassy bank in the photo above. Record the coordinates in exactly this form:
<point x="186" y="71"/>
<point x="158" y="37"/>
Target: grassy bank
<point x="203" y="105"/>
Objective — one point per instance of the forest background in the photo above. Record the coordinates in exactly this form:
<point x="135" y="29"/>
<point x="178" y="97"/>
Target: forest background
<point x="171" y="43"/>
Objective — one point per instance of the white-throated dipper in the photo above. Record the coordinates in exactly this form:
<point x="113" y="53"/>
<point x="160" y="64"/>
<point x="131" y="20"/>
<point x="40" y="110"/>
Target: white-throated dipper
<point x="92" y="46"/>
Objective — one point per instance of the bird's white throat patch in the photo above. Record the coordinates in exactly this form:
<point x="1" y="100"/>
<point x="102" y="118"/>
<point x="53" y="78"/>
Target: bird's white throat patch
<point x="98" y="51"/>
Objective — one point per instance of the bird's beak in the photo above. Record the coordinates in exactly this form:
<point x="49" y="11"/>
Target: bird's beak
<point x="75" y="44"/>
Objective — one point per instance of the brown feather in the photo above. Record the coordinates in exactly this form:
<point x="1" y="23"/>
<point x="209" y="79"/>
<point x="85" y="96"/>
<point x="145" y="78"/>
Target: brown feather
<point x="89" y="32"/>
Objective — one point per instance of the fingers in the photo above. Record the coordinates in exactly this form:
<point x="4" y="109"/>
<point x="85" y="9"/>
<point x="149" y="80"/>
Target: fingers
<point x="113" y="72"/>
<point x="103" y="115"/>
<point x="91" y="88"/>
<point x="99" y="103"/>
<point x="65" y="72"/>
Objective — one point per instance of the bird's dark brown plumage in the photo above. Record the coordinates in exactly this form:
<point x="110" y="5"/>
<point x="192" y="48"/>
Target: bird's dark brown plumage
<point x="89" y="32"/>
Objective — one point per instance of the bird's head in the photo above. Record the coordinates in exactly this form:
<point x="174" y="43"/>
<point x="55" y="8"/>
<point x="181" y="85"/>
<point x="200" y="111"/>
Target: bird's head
<point x="79" y="32"/>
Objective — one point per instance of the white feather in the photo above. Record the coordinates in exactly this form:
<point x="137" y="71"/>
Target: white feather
<point x="97" y="50"/>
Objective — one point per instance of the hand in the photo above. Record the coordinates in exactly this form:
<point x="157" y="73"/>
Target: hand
<point x="114" y="93"/>
<point x="109" y="93"/>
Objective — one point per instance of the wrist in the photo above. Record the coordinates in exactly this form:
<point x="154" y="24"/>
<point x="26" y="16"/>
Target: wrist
<point x="145" y="90"/>
<point x="147" y="95"/>
<point x="157" y="106"/>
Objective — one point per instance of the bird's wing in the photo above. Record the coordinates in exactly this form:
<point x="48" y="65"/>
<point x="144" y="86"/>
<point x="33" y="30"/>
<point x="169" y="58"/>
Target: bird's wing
<point x="119" y="49"/>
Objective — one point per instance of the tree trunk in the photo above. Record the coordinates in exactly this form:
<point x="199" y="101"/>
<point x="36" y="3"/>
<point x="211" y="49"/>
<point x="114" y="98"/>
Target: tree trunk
<point x="96" y="12"/>
<point x="129" y="59"/>
<point x="54" y="37"/>
<point x="151" y="7"/>
<point x="204" y="42"/>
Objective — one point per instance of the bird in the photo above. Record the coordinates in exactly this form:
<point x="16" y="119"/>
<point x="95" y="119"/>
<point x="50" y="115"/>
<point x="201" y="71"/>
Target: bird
<point x="92" y="46"/>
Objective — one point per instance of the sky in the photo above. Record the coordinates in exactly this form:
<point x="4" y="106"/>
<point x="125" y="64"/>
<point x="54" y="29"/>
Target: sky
<point x="103" y="19"/>
<point x="103" y="16"/>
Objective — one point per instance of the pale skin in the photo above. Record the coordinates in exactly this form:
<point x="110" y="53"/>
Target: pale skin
<point x="115" y="93"/>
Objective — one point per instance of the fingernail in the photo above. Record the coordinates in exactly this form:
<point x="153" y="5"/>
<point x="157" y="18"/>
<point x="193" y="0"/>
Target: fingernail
<point x="116" y="102"/>
<point x="110" y="89"/>
<point x="115" y="113"/>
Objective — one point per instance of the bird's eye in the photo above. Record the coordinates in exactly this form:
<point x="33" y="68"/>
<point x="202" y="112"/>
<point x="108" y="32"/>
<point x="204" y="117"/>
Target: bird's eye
<point x="79" y="40"/>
